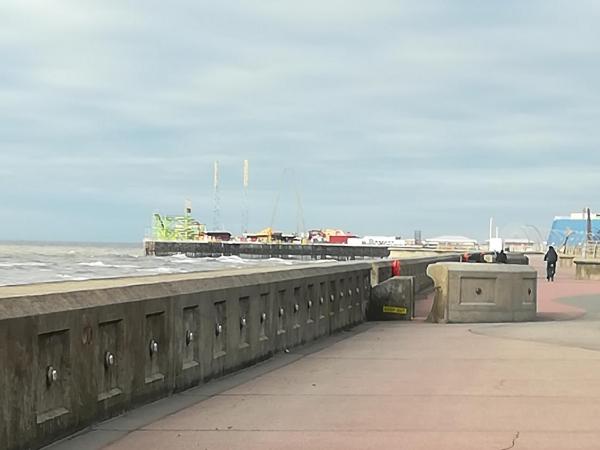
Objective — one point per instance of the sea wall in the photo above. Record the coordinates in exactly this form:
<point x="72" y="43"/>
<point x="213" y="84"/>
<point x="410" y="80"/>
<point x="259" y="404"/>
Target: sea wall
<point x="75" y="353"/>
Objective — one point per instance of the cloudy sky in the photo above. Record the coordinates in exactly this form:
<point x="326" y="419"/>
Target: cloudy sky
<point x="383" y="116"/>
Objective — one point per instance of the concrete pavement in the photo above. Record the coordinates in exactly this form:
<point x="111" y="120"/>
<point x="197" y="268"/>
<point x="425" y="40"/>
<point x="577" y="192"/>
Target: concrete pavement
<point x="400" y="386"/>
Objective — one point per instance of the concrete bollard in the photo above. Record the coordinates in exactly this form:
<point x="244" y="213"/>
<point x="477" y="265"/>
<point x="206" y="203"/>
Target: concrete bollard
<point x="587" y="269"/>
<point x="566" y="261"/>
<point x="517" y="258"/>
<point x="393" y="299"/>
<point x="467" y="293"/>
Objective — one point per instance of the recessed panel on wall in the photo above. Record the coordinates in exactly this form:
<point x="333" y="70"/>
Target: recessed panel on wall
<point x="357" y="291"/>
<point x="342" y="296"/>
<point x="350" y="293"/>
<point x="220" y="331"/>
<point x="244" y="322"/>
<point x="281" y="312"/>
<point x="477" y="291"/>
<point x="156" y="347"/>
<point x="110" y="353"/>
<point x="53" y="375"/>
<point x="312" y="305"/>
<point x="366" y="292"/>
<point x="530" y="291"/>
<point x="265" y="317"/>
<point x="323" y="304"/>
<point x="332" y="298"/>
<point x="191" y="343"/>
<point x="296" y="308"/>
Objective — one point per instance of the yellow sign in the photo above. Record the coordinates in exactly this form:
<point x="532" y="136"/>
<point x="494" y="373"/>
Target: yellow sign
<point x="394" y="310"/>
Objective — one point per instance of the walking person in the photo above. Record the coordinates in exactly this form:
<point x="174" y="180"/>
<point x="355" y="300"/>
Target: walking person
<point x="551" y="257"/>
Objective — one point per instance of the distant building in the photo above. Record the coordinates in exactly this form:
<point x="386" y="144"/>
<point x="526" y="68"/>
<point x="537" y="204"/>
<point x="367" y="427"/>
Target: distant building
<point x="519" y="245"/>
<point x="330" y="235"/>
<point x="571" y="231"/>
<point x="378" y="241"/>
<point x="461" y="243"/>
<point x="218" y="235"/>
<point x="265" y="236"/>
<point x="340" y="238"/>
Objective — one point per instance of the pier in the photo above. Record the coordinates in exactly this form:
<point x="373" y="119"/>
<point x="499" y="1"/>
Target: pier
<point x="199" y="249"/>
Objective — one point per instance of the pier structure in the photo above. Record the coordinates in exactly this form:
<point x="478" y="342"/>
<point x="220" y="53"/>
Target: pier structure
<point x="200" y="249"/>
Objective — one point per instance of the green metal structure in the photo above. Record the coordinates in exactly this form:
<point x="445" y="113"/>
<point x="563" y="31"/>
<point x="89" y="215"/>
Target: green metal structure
<point x="177" y="228"/>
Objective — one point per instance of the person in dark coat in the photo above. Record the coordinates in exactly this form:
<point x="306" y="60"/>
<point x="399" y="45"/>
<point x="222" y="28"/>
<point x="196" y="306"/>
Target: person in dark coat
<point x="501" y="257"/>
<point x="551" y="258"/>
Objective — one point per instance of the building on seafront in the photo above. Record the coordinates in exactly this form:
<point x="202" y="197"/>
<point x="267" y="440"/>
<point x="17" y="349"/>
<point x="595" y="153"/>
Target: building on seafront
<point x="572" y="231"/>
<point x="461" y="243"/>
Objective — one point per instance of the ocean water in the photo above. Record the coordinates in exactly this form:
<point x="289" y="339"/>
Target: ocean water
<point x="25" y="263"/>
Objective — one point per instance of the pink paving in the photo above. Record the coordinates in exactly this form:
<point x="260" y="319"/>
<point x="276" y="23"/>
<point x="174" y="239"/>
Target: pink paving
<point x="414" y="386"/>
<point x="565" y="285"/>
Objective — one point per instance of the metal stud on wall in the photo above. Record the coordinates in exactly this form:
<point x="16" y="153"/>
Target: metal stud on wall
<point x="51" y="375"/>
<point x="153" y="347"/>
<point x="109" y="360"/>
<point x="189" y="337"/>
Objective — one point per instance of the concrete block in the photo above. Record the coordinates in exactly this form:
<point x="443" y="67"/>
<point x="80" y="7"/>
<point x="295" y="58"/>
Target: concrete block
<point x="414" y="266"/>
<point x="394" y="299"/>
<point x="517" y="258"/>
<point x="587" y="269"/>
<point x="566" y="261"/>
<point x="474" y="292"/>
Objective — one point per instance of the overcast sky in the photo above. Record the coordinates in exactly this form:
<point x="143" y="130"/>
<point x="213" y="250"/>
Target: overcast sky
<point x="394" y="115"/>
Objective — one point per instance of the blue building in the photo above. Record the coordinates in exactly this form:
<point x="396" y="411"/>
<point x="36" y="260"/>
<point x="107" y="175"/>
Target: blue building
<point x="572" y="230"/>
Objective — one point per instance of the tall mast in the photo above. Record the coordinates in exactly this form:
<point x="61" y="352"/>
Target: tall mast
<point x="217" y="202"/>
<point x="246" y="181"/>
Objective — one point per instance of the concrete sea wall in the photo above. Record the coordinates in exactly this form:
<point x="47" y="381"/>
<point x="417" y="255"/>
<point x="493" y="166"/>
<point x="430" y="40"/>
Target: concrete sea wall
<point x="75" y="353"/>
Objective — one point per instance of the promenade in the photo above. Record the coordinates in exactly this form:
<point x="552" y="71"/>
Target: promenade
<point x="399" y="386"/>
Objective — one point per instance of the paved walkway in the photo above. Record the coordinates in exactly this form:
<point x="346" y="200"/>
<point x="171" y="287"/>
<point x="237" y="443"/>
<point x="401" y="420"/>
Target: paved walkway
<point x="401" y="386"/>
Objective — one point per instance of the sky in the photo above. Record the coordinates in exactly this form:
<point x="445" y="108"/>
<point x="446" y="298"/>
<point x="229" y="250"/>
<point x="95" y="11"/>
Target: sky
<point x="382" y="117"/>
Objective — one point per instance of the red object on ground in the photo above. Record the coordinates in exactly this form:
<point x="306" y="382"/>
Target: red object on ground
<point x="396" y="268"/>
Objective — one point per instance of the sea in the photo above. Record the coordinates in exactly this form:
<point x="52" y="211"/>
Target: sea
<point x="38" y="262"/>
